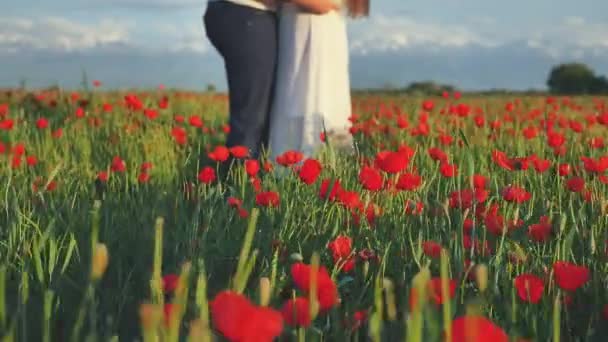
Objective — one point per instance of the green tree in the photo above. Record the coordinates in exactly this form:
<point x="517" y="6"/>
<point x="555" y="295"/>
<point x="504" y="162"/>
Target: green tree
<point x="571" y="79"/>
<point x="600" y="85"/>
<point x="429" y="88"/>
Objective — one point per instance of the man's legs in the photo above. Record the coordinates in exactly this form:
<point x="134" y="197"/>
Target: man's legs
<point x="247" y="40"/>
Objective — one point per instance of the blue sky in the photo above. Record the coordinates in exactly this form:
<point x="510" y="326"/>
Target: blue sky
<point x="139" y="43"/>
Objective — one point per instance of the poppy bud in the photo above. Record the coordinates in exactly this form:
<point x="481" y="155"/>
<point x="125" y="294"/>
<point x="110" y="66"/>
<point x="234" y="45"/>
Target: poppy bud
<point x="265" y="291"/>
<point x="481" y="276"/>
<point x="100" y="261"/>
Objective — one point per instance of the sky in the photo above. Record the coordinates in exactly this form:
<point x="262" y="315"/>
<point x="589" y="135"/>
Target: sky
<point x="472" y="44"/>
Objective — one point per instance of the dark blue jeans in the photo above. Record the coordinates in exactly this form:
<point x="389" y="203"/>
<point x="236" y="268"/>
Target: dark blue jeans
<point x="246" y="38"/>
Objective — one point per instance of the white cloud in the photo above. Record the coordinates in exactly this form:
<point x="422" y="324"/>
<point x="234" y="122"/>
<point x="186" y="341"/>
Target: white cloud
<point x="63" y="35"/>
<point x="59" y="34"/>
<point x="571" y="38"/>
<point x="186" y="38"/>
<point x="383" y="33"/>
<point x="574" y="37"/>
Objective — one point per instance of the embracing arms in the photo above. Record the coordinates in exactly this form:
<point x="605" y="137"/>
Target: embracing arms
<point x="312" y="6"/>
<point x="317" y="6"/>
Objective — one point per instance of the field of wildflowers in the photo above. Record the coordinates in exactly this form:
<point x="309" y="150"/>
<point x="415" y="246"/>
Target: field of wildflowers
<point x="457" y="218"/>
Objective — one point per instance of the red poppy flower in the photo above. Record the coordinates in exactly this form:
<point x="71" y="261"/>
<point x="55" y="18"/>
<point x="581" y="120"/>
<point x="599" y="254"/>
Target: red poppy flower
<point x="599" y="165"/>
<point x="239" y="152"/>
<point x="296" y="312"/>
<point x="448" y="170"/>
<point x="133" y="102"/>
<point x="540" y="232"/>
<point x="576" y="126"/>
<point x="466" y="198"/>
<point x="428" y="105"/>
<point x="103" y="176"/>
<point x="80" y="112"/>
<point x="151" y="113"/>
<point x="432" y="249"/>
<point x="219" y="154"/>
<point x="143" y="177"/>
<point x="163" y="103"/>
<point x="107" y="108"/>
<point x="480" y="182"/>
<point x="370" y="178"/>
<point x="234" y="202"/>
<point x="170" y="282"/>
<point x="541" y="165"/>
<point x="597" y="142"/>
<point x="341" y="247"/>
<point x="31" y="160"/>
<point x="3" y="109"/>
<point x="169" y="309"/>
<point x="393" y="162"/>
<point x="479" y="121"/>
<point x="267" y="199"/>
<point x="237" y="319"/>
<point x="402" y="122"/>
<point x="16" y="162"/>
<point x="530" y="132"/>
<point x="555" y="140"/>
<point x="434" y="292"/>
<point x="500" y="158"/>
<point x="348" y="265"/>
<point x="42" y="123"/>
<point x="476" y="246"/>
<point x="515" y="194"/>
<point x="290" y="158"/>
<point x="564" y="169"/>
<point x="413" y="208"/>
<point x="529" y="287"/>
<point x="349" y="199"/>
<point x="495" y="223"/>
<point x="252" y="167"/>
<point x="327" y="292"/>
<point x="576" y="184"/>
<point x="445" y="139"/>
<point x="605" y="312"/>
<point x="19" y="149"/>
<point x="476" y="329"/>
<point x="7" y="124"/>
<point x="206" y="175"/>
<point x="602" y="119"/>
<point x="194" y="121"/>
<point x="438" y="155"/>
<point x="359" y="318"/>
<point x="570" y="277"/>
<point x="118" y="165"/>
<point x="409" y="181"/>
<point x="57" y="133"/>
<point x="310" y="171"/>
<point x="330" y="190"/>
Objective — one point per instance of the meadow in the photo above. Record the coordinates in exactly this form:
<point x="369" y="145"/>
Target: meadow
<point x="456" y="218"/>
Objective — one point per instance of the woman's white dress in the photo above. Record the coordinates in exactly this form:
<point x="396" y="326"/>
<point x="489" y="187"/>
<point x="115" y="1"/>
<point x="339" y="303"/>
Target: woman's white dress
<point x="312" y="93"/>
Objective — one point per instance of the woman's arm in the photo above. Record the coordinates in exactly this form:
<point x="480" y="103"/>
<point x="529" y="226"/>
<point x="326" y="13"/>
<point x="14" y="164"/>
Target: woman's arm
<point x="317" y="6"/>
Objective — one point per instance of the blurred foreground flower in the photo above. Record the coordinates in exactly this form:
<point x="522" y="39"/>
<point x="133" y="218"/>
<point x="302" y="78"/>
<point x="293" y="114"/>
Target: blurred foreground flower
<point x="100" y="261"/>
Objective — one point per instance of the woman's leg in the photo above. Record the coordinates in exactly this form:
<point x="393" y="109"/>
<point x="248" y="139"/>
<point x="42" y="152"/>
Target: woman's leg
<point x="247" y="40"/>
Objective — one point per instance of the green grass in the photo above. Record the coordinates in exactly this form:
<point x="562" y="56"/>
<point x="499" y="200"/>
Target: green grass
<point x="47" y="237"/>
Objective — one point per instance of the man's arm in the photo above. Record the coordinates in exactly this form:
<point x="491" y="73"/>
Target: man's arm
<point x="317" y="6"/>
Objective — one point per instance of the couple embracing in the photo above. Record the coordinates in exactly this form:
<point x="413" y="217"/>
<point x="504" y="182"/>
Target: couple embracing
<point x="287" y="65"/>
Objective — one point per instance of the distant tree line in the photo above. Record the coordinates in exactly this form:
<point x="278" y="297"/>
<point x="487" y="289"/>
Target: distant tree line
<point x="564" y="79"/>
<point x="576" y="79"/>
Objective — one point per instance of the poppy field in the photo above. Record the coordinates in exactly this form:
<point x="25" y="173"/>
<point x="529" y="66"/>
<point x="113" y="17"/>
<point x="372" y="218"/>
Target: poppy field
<point x="455" y="218"/>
